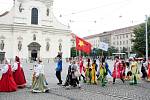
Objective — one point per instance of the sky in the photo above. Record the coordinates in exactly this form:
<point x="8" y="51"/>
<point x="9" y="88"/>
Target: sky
<point x="89" y="17"/>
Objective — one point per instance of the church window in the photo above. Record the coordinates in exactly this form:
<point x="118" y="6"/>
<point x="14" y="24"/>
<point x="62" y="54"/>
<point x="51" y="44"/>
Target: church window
<point x="34" y="37"/>
<point x="34" y="16"/>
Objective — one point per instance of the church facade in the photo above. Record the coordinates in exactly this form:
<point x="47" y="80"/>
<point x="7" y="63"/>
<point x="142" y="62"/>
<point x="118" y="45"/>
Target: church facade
<point x="30" y="30"/>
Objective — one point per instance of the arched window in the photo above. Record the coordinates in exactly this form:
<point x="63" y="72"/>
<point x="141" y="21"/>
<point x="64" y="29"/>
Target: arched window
<point x="34" y="16"/>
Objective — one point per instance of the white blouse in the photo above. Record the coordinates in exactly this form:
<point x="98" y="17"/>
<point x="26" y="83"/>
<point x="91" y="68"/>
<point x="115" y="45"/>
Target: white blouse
<point x="15" y="66"/>
<point x="38" y="69"/>
<point x="3" y="70"/>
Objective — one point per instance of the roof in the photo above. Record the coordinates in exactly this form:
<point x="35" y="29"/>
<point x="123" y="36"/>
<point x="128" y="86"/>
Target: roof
<point x="130" y="28"/>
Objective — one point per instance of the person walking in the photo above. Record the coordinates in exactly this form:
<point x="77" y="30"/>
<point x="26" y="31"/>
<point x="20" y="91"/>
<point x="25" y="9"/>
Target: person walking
<point x="38" y="84"/>
<point x="59" y="69"/>
<point x="117" y="72"/>
<point x="7" y="83"/>
<point x="18" y="73"/>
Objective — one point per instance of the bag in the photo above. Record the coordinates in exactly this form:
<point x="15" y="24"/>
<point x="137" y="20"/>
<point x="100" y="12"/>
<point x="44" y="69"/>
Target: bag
<point x="77" y="74"/>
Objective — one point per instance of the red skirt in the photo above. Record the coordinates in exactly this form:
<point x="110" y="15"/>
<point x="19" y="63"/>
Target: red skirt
<point x="7" y="83"/>
<point x="19" y="78"/>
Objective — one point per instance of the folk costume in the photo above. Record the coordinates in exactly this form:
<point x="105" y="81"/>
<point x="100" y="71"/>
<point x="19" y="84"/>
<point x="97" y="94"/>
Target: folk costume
<point x="117" y="72"/>
<point x="103" y="74"/>
<point x="38" y="84"/>
<point x="88" y="70"/>
<point x="18" y="73"/>
<point x="148" y="73"/>
<point x="81" y="67"/>
<point x="135" y="72"/>
<point x="7" y="83"/>
<point x="93" y="72"/>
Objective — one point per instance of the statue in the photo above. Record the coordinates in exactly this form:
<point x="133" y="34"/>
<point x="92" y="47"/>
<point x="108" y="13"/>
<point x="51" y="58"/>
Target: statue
<point x="2" y="45"/>
<point x="34" y="37"/>
<point x="19" y="45"/>
<point x="47" y="46"/>
<point x="60" y="47"/>
<point x="47" y="12"/>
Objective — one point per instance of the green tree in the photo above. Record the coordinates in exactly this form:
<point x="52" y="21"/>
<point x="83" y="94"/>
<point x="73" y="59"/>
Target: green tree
<point x="140" y="40"/>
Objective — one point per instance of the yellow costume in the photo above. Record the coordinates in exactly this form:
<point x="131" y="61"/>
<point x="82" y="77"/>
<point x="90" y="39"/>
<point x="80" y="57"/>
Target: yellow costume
<point x="94" y="80"/>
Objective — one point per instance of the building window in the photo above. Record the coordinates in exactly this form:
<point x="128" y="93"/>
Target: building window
<point x="120" y="43"/>
<point x="126" y="35"/>
<point x="127" y="41"/>
<point x="123" y="42"/>
<point x="34" y="16"/>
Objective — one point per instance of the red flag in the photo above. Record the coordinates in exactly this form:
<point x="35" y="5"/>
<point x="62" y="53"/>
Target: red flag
<point x="83" y="45"/>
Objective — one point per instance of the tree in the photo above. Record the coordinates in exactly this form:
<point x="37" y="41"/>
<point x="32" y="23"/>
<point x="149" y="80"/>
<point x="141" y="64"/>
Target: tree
<point x="140" y="40"/>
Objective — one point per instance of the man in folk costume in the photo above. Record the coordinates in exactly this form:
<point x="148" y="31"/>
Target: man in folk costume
<point x="38" y="84"/>
<point x="117" y="72"/>
<point x="81" y="66"/>
<point x="93" y="72"/>
<point x="135" y="71"/>
<point x="18" y="73"/>
<point x="88" y="75"/>
<point x="7" y="83"/>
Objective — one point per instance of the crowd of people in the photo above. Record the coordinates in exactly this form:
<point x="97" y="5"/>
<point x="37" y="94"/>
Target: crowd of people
<point x="91" y="71"/>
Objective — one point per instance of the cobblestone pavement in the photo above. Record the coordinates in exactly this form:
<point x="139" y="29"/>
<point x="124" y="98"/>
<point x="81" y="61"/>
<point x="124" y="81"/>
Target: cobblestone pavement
<point x="118" y="91"/>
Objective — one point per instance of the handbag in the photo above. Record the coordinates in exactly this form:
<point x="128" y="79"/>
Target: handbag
<point x="77" y="74"/>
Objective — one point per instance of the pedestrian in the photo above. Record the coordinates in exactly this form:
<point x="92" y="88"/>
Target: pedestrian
<point x="103" y="72"/>
<point x="18" y="73"/>
<point x="38" y="84"/>
<point x="88" y="75"/>
<point x="117" y="72"/>
<point x="59" y="69"/>
<point x="7" y="83"/>
<point x="135" y="71"/>
<point x="75" y="75"/>
<point x="81" y="66"/>
<point x="93" y="72"/>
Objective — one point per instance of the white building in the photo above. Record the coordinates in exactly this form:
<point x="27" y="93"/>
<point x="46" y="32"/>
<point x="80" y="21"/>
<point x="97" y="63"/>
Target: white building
<point x="119" y="38"/>
<point x="30" y="30"/>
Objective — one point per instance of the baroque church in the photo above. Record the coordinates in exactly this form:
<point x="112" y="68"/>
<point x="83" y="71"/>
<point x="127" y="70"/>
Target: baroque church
<point x="30" y="30"/>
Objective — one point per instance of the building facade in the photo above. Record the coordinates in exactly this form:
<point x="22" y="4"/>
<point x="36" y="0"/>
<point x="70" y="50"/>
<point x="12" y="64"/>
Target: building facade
<point x="121" y="39"/>
<point x="30" y="30"/>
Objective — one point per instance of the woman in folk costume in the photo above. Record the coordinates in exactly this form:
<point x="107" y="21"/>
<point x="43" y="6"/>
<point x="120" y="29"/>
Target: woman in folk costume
<point x="18" y="73"/>
<point x="148" y="72"/>
<point x="7" y="83"/>
<point x="38" y="84"/>
<point x="81" y="66"/>
<point x="117" y="72"/>
<point x="93" y="72"/>
<point x="104" y="70"/>
<point x="135" y="71"/>
<point x="88" y="71"/>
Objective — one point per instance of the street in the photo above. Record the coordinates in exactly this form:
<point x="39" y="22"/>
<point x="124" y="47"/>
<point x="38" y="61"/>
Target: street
<point x="118" y="91"/>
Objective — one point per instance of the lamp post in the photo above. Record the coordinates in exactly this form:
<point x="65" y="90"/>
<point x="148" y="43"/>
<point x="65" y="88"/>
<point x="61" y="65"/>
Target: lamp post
<point x="146" y="38"/>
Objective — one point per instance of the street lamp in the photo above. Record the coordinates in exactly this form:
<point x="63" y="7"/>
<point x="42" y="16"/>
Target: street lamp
<point x="146" y="38"/>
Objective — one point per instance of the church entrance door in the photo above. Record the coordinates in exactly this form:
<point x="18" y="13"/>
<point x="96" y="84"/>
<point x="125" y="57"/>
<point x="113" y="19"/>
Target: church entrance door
<point x="34" y="51"/>
<point x="33" y="55"/>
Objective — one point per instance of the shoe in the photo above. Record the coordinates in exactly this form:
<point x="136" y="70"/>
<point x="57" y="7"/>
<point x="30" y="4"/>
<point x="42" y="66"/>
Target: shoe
<point x="113" y="82"/>
<point x="79" y="86"/>
<point x="59" y="83"/>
